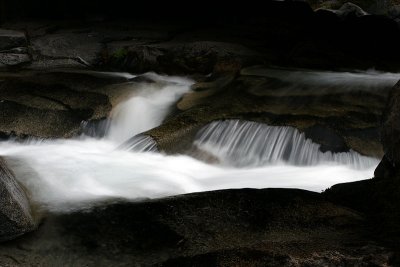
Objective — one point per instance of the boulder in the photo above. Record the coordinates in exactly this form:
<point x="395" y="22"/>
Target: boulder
<point x="16" y="216"/>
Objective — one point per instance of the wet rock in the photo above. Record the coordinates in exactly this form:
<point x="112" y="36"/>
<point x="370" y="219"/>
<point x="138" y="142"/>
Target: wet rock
<point x="15" y="212"/>
<point x="338" y="120"/>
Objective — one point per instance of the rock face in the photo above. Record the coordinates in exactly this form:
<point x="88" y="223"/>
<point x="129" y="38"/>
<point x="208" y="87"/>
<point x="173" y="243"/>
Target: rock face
<point x="15" y="212"/>
<point x="221" y="228"/>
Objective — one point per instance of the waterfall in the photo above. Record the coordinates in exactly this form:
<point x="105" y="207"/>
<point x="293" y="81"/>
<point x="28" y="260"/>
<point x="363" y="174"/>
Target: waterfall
<point x="242" y="143"/>
<point x="140" y="143"/>
<point x="65" y="175"/>
<point x="147" y="108"/>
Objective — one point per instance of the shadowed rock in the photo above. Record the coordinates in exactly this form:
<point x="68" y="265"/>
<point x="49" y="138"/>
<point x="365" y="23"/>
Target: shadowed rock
<point x="220" y="228"/>
<point x="391" y="127"/>
<point x="15" y="213"/>
<point x="11" y="39"/>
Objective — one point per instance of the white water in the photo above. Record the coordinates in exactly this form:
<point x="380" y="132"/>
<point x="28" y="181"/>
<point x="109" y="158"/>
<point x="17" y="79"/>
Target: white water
<point x="147" y="108"/>
<point x="69" y="174"/>
<point x="62" y="175"/>
<point x="238" y="143"/>
<point x="344" y="80"/>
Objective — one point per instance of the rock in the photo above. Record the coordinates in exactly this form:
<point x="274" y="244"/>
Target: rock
<point x="368" y="256"/>
<point x="85" y="47"/>
<point x="391" y="127"/>
<point x="333" y="118"/>
<point x="183" y="57"/>
<point x="51" y="105"/>
<point x="11" y="59"/>
<point x="329" y="140"/>
<point x="11" y="39"/>
<point x="394" y="12"/>
<point x="16" y="216"/>
<point x="220" y="228"/>
<point x="349" y="10"/>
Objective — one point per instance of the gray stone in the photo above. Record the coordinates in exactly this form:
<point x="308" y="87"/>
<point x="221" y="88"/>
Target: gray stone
<point x="10" y="39"/>
<point x="15" y="212"/>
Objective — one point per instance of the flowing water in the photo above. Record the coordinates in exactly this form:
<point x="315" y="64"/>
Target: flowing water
<point x="62" y="175"/>
<point x="238" y="143"/>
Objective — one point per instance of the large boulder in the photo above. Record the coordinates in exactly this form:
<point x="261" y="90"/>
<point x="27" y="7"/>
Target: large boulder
<point x="15" y="212"/>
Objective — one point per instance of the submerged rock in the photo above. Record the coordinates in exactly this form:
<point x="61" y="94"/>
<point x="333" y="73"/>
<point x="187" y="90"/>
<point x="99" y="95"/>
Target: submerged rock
<point x="15" y="212"/>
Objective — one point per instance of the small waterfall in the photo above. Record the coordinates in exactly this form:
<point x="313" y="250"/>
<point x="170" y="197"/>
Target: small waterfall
<point x="147" y="108"/>
<point x="244" y="143"/>
<point x="64" y="175"/>
<point x="140" y="143"/>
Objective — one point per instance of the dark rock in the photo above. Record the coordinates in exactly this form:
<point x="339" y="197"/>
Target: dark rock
<point x="385" y="169"/>
<point x="349" y="10"/>
<point x="15" y="213"/>
<point x="217" y="228"/>
<point x="10" y="59"/>
<point x="184" y="57"/>
<point x="391" y="127"/>
<point x="85" y="47"/>
<point x="368" y="256"/>
<point x="337" y="120"/>
<point x="50" y="105"/>
<point x="327" y="138"/>
<point x="11" y="39"/>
